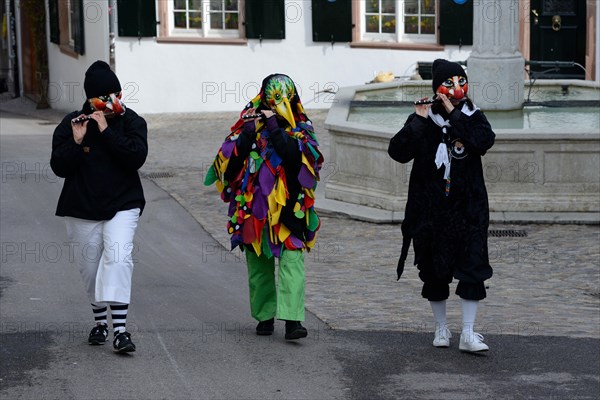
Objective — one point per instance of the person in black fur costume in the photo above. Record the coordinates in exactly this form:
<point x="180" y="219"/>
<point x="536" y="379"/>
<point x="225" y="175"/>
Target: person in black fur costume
<point x="447" y="213"/>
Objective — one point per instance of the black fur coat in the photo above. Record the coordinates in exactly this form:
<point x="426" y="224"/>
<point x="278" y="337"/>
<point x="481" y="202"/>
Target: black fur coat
<point x="447" y="221"/>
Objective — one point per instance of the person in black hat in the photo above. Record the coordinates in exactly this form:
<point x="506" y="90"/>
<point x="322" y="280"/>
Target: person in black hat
<point x="98" y="151"/>
<point x="447" y="213"/>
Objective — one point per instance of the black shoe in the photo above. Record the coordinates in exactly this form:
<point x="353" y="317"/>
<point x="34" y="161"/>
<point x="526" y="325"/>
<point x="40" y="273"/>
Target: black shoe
<point x="123" y="344"/>
<point x="265" y="328"/>
<point x="294" y="330"/>
<point x="98" y="335"/>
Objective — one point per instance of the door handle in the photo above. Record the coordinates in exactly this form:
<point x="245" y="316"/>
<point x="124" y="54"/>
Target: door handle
<point x="536" y="19"/>
<point x="556" y="23"/>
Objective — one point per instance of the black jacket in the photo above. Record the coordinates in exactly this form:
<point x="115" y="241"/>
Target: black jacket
<point x="449" y="233"/>
<point x="101" y="174"/>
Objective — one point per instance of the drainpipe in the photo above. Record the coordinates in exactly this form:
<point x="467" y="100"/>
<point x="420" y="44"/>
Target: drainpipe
<point x="16" y="45"/>
<point x="12" y="76"/>
<point x="597" y="77"/>
<point x="112" y="9"/>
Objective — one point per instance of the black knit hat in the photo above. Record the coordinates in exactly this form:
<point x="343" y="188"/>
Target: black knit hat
<point x="100" y="80"/>
<point x="444" y="69"/>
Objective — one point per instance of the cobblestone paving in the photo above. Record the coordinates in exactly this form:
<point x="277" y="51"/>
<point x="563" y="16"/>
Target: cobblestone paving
<point x="547" y="283"/>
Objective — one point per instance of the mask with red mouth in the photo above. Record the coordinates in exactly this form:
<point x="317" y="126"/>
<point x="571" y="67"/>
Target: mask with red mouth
<point x="103" y="89"/>
<point x="450" y="79"/>
<point x="109" y="104"/>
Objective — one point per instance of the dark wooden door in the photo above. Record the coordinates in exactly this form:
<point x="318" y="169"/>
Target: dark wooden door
<point x="558" y="36"/>
<point x="30" y="88"/>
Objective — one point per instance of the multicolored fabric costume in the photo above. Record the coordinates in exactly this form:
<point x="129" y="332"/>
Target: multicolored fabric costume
<point x="268" y="171"/>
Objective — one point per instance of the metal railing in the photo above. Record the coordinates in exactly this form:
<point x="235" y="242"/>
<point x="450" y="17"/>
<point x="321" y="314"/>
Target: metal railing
<point x="550" y="66"/>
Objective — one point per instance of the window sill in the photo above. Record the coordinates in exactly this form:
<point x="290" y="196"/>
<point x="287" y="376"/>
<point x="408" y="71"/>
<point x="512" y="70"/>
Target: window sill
<point x="397" y="46"/>
<point x="197" y="40"/>
<point x="68" y="50"/>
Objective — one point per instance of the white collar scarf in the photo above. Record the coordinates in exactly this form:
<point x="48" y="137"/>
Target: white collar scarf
<point x="441" y="156"/>
<point x="441" y="122"/>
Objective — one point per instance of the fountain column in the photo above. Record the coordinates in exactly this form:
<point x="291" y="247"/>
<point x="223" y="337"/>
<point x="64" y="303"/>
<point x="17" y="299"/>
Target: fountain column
<point x="496" y="66"/>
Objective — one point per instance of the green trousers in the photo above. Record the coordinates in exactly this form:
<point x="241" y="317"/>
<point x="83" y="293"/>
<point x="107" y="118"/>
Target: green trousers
<point x="281" y="300"/>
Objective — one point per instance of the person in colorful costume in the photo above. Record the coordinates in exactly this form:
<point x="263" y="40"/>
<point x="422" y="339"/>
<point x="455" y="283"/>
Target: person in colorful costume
<point x="447" y="213"/>
<point x="267" y="170"/>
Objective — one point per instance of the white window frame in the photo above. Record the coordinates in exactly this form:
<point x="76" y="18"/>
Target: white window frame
<point x="206" y="31"/>
<point x="70" y="24"/>
<point x="399" y="36"/>
<point x="372" y="36"/>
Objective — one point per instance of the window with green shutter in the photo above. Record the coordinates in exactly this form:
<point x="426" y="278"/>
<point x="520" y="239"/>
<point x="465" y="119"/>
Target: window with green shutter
<point x="54" y="23"/>
<point x="137" y="18"/>
<point x="332" y="20"/>
<point x="77" y="26"/>
<point x="397" y="21"/>
<point x="456" y="22"/>
<point x="265" y="19"/>
<point x="67" y="24"/>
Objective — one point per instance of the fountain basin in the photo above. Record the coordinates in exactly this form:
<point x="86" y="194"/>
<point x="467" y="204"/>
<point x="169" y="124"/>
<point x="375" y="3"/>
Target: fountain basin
<point x="543" y="167"/>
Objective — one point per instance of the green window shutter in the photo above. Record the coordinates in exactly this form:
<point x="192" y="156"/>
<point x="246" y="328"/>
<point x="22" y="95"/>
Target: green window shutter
<point x="456" y="22"/>
<point x="265" y="19"/>
<point x="332" y="20"/>
<point x="137" y="18"/>
<point x="54" y="24"/>
<point x="77" y="24"/>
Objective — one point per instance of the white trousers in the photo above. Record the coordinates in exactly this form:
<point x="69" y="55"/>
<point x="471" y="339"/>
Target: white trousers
<point x="103" y="251"/>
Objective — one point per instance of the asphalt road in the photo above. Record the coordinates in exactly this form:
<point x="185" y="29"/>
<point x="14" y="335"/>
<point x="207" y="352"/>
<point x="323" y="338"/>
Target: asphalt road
<point x="190" y="320"/>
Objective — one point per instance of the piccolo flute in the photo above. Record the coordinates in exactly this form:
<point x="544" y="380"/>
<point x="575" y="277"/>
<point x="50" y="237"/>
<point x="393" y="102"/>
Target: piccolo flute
<point x="426" y="101"/>
<point x="249" y="116"/>
<point x="79" y="120"/>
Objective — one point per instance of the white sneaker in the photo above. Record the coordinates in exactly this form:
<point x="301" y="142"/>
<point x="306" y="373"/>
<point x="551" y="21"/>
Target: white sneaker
<point x="442" y="337"/>
<point x="472" y="343"/>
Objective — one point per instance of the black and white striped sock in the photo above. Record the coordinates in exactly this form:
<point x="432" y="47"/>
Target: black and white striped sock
<point x="100" y="314"/>
<point x="118" y="313"/>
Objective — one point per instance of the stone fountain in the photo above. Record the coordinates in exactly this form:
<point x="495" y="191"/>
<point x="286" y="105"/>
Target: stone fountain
<point x="496" y="66"/>
<point x="544" y="166"/>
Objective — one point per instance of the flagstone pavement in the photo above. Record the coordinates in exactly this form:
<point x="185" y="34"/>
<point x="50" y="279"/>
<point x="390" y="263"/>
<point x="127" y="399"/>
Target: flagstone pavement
<point x="547" y="283"/>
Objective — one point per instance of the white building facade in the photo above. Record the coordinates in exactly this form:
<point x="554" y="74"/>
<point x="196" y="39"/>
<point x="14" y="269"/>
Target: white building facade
<point x="191" y="64"/>
<point x="211" y="55"/>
